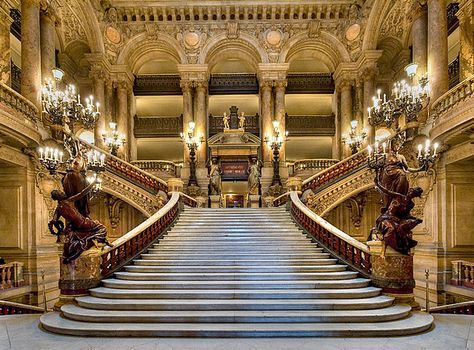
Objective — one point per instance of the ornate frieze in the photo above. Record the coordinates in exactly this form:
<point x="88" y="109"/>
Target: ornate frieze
<point x="310" y="83"/>
<point x="157" y="85"/>
<point x="158" y="126"/>
<point x="310" y="124"/>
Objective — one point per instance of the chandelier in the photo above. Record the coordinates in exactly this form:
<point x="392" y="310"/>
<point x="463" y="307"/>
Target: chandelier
<point x="51" y="158"/>
<point x="112" y="139"/>
<point x="64" y="107"/>
<point x="407" y="99"/>
<point x="353" y="139"/>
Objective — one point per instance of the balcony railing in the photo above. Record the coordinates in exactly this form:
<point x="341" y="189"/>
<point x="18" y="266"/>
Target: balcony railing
<point x="18" y="103"/>
<point x="453" y="72"/>
<point x="16" y="77"/>
<point x="462" y="273"/>
<point x="11" y="275"/>
<point x="313" y="165"/>
<point x="153" y="166"/>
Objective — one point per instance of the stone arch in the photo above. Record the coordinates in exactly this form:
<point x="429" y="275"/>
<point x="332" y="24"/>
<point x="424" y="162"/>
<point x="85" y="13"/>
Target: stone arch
<point x="220" y="45"/>
<point x="377" y="15"/>
<point x="94" y="35"/>
<point x="390" y="47"/>
<point x="332" y="51"/>
<point x="107" y="189"/>
<point x="141" y="46"/>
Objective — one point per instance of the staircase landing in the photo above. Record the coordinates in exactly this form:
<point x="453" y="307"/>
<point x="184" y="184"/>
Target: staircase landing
<point x="236" y="273"/>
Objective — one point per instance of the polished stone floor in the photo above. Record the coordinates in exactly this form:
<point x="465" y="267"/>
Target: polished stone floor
<point x="449" y="333"/>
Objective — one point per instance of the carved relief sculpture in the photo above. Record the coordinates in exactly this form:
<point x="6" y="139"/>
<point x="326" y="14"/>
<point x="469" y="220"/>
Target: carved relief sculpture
<point x="226" y="120"/>
<point x="242" y="121"/>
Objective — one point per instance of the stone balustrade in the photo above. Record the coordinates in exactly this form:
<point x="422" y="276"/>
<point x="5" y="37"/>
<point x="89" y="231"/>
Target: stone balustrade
<point x="462" y="91"/>
<point x="462" y="273"/>
<point x="18" y="103"/>
<point x="309" y="167"/>
<point x="11" y="275"/>
<point x="158" y="166"/>
<point x="11" y="308"/>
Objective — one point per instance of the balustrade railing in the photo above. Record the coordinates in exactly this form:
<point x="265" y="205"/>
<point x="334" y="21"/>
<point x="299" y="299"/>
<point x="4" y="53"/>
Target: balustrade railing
<point x="11" y="275"/>
<point x="340" y="244"/>
<point x="336" y="171"/>
<point x="303" y="165"/>
<point x="17" y="102"/>
<point x="158" y="166"/>
<point x="11" y="308"/>
<point x="461" y="92"/>
<point x="462" y="273"/>
<point x="129" y="245"/>
<point x="464" y="308"/>
<point x="280" y="200"/>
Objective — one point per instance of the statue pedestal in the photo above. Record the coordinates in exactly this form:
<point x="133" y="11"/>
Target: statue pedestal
<point x="254" y="201"/>
<point x="201" y="202"/>
<point x="175" y="185"/>
<point x="394" y="273"/>
<point x="215" y="200"/>
<point x="78" y="276"/>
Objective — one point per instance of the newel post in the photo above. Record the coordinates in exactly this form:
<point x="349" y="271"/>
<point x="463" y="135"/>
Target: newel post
<point x="294" y="184"/>
<point x="393" y="273"/>
<point x="175" y="185"/>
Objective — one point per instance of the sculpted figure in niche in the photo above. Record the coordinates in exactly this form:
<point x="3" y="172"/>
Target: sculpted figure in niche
<point x="254" y="175"/>
<point x="215" y="177"/>
<point x="81" y="232"/>
<point x="226" y="120"/>
<point x="242" y="121"/>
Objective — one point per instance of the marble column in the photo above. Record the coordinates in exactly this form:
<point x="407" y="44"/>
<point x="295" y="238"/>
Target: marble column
<point x="466" y="42"/>
<point x="419" y="35"/>
<point x="122" y="116"/>
<point x="131" y="141"/>
<point x="201" y="122"/>
<point x="48" y="40"/>
<point x="266" y="122"/>
<point x="369" y="92"/>
<point x="346" y="113"/>
<point x="99" y="95"/>
<point x="437" y="48"/>
<point x="31" y="51"/>
<point x="5" y="50"/>
<point x="280" y="110"/>
<point x="359" y="93"/>
<point x="336" y="141"/>
<point x="187" y="88"/>
<point x="108" y="102"/>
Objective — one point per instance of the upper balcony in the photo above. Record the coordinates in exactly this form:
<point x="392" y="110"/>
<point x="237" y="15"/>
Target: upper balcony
<point x="453" y="118"/>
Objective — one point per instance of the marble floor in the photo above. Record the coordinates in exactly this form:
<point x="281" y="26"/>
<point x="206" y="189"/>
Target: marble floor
<point x="449" y="333"/>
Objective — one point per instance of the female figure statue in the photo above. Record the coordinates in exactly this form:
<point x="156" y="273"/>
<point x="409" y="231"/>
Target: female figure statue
<point x="215" y="177"/>
<point x="81" y="231"/>
<point x="254" y="175"/>
<point x="75" y="182"/>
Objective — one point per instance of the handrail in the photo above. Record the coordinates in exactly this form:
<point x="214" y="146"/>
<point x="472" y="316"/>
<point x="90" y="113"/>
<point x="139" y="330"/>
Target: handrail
<point x="129" y="245"/>
<point x="281" y="199"/>
<point x="344" y="167"/>
<point x="462" y="273"/>
<point x="19" y="102"/>
<point x="346" y="248"/>
<point x="130" y="172"/>
<point x="452" y="97"/>
<point x="323" y="161"/>
<point x="188" y="200"/>
<point x="11" y="308"/>
<point x="465" y="308"/>
<point x="158" y="166"/>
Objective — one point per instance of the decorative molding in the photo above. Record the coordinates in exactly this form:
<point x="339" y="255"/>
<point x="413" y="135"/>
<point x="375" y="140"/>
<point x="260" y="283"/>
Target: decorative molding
<point x="223" y="84"/>
<point x="299" y="125"/>
<point x="158" y="126"/>
<point x="168" y="84"/>
<point x="310" y="83"/>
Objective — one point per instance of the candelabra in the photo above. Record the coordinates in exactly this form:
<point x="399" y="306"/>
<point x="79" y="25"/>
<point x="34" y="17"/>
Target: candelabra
<point x="96" y="161"/>
<point x="193" y="143"/>
<point x="353" y="139"/>
<point x="97" y="180"/>
<point x="112" y="139"/>
<point x="276" y="142"/>
<point x="407" y="99"/>
<point x="51" y="158"/>
<point x="65" y="107"/>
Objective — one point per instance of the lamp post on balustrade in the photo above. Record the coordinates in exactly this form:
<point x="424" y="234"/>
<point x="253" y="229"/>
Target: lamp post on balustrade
<point x="275" y="142"/>
<point x="193" y="143"/>
<point x="354" y="139"/>
<point x="112" y="139"/>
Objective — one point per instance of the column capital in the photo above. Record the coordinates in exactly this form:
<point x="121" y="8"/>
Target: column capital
<point x="280" y="84"/>
<point x="272" y="71"/>
<point x="265" y="84"/>
<point x="194" y="72"/>
<point x="49" y="11"/>
<point x="417" y="9"/>
<point x="186" y="85"/>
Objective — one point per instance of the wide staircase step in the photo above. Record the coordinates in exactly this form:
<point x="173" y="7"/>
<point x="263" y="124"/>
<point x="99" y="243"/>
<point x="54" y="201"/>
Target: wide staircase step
<point x="236" y="273"/>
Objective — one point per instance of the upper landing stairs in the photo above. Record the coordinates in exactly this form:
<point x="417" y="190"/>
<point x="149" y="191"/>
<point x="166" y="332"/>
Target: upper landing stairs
<point x="235" y="273"/>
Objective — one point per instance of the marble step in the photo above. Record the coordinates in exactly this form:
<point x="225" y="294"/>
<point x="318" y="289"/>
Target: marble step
<point x="113" y="293"/>
<point x="292" y="276"/>
<point x="233" y="256"/>
<point x="215" y="230"/>
<point x="394" y="312"/>
<point x="230" y="238"/>
<point x="283" y="263"/>
<point x="303" y="284"/>
<point x="415" y="323"/>
<point x="234" y="269"/>
<point x="236" y="235"/>
<point x="232" y="249"/>
<point x="375" y="302"/>
<point x="225" y="245"/>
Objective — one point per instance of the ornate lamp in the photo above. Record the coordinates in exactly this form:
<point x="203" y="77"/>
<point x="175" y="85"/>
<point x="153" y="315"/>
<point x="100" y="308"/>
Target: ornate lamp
<point x="51" y="158"/>
<point x="193" y="143"/>
<point x="275" y="142"/>
<point x="407" y="99"/>
<point x="354" y="139"/>
<point x="112" y="139"/>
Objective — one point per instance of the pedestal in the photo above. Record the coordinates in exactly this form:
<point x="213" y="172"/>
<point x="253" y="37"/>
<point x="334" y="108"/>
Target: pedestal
<point x="175" y="185"/>
<point x="79" y="276"/>
<point x="294" y="184"/>
<point x="201" y="202"/>
<point x="215" y="201"/>
<point x="254" y="201"/>
<point x="394" y="273"/>
<point x="193" y="191"/>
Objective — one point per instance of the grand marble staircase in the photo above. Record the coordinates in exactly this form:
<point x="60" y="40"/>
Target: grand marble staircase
<point x="236" y="273"/>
